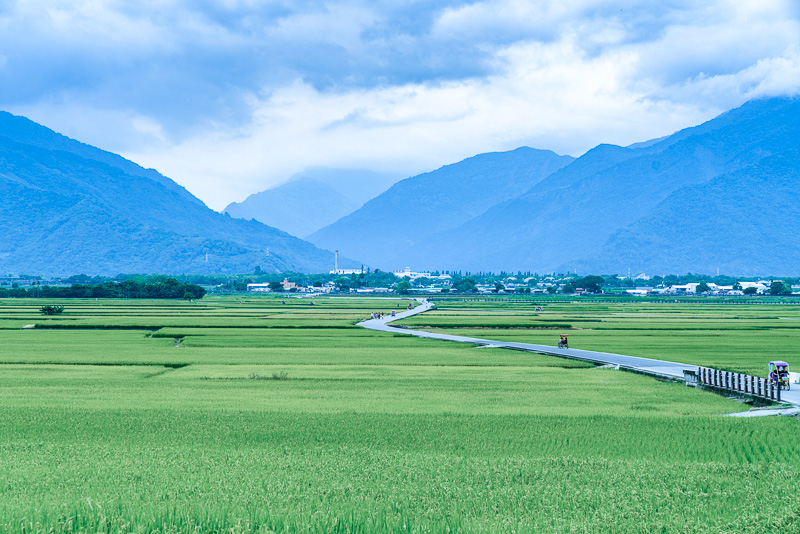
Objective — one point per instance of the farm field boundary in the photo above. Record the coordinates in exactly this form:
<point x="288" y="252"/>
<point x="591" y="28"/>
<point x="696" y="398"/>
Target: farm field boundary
<point x="661" y="369"/>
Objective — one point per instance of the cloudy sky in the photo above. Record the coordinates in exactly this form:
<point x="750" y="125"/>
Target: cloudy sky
<point x="230" y="97"/>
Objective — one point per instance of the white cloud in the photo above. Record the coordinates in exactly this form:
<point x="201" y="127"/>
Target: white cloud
<point x="231" y="99"/>
<point x="548" y="96"/>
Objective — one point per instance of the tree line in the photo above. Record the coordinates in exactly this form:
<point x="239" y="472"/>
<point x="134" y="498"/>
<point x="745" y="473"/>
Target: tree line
<point x="159" y="287"/>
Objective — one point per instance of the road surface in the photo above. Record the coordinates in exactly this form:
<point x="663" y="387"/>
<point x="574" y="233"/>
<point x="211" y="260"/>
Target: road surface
<point x="658" y="368"/>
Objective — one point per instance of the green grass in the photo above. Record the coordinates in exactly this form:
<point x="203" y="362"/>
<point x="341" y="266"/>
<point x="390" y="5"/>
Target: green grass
<point x="736" y="337"/>
<point x="119" y="430"/>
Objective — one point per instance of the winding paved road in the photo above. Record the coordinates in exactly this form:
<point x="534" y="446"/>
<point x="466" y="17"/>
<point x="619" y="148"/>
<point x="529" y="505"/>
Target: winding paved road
<point x="658" y="368"/>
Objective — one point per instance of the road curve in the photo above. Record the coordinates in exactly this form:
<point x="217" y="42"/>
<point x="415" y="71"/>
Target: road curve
<point x="658" y="368"/>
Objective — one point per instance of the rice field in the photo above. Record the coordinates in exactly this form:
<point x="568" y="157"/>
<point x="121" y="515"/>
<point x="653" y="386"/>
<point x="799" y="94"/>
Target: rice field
<point x="255" y="415"/>
<point x="730" y="336"/>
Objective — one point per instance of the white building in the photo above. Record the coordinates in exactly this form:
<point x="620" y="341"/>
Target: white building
<point x="761" y="286"/>
<point x="411" y="275"/>
<point x="259" y="288"/>
<point x="346" y="271"/>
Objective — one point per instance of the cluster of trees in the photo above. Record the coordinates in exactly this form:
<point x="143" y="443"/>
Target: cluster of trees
<point x="157" y="287"/>
<point x="590" y="284"/>
<point x="780" y="288"/>
<point x="189" y="286"/>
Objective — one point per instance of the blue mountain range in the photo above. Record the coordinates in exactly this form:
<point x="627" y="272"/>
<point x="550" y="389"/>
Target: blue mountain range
<point x="67" y="207"/>
<point x="720" y="195"/>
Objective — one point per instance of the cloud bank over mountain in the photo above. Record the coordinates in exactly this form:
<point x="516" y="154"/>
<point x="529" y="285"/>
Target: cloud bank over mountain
<point x="233" y="97"/>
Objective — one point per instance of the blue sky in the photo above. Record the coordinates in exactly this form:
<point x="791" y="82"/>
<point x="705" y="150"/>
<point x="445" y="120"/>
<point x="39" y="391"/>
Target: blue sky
<point x="231" y="97"/>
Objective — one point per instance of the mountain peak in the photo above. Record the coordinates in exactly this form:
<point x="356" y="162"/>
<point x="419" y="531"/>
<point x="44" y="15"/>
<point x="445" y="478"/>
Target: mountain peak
<point x="67" y="207"/>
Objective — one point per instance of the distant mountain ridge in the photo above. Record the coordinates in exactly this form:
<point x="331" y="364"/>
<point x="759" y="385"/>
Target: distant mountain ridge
<point x="719" y="195"/>
<point x="387" y="226"/>
<point x="298" y="207"/>
<point x="312" y="199"/>
<point x="610" y="209"/>
<point x="66" y="208"/>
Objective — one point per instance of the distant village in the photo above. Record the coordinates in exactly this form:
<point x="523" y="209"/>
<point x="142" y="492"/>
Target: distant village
<point x="408" y="282"/>
<point x="413" y="282"/>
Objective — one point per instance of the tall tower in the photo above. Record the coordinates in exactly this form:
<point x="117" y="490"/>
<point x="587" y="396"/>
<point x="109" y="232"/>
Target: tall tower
<point x="336" y="262"/>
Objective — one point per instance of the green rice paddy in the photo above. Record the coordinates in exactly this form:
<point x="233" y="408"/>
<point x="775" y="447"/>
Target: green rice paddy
<point x="730" y="336"/>
<point x="255" y="415"/>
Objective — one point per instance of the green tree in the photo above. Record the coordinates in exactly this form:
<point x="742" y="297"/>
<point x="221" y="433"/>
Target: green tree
<point x="568" y="288"/>
<point x="342" y="284"/>
<point x="702" y="287"/>
<point x="465" y="285"/>
<point x="403" y="286"/>
<point x="591" y="283"/>
<point x="779" y="288"/>
<point x="752" y="290"/>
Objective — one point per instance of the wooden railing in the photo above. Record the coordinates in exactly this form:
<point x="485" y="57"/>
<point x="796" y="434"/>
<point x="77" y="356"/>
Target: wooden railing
<point x="741" y="383"/>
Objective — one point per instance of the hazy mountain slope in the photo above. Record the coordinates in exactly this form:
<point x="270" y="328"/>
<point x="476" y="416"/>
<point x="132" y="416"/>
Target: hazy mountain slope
<point x="27" y="132"/>
<point x="746" y="222"/>
<point x="299" y="207"/>
<point x="67" y="208"/>
<point x="572" y="214"/>
<point x="312" y="199"/>
<point x="417" y="207"/>
<point x="359" y="185"/>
